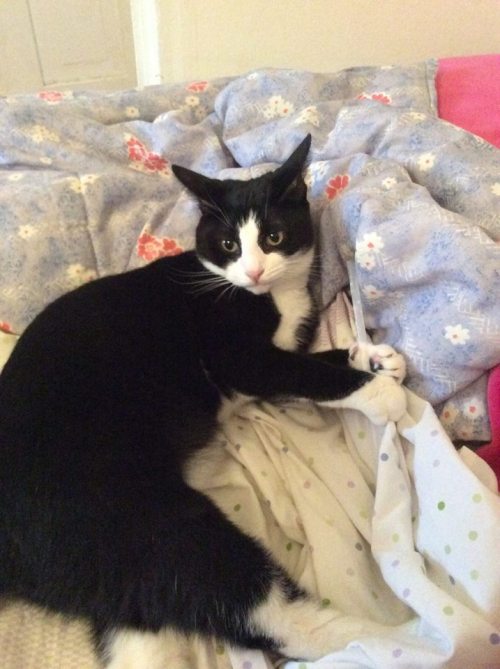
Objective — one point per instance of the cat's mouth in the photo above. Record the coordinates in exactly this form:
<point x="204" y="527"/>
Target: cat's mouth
<point x="259" y="288"/>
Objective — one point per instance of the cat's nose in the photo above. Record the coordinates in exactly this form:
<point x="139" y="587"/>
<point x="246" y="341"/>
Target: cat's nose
<point x="254" y="274"/>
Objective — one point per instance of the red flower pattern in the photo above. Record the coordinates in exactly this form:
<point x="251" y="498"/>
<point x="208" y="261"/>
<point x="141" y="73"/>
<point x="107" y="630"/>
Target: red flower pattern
<point x="335" y="185"/>
<point x="51" y="96"/>
<point x="147" y="160"/>
<point x="150" y="247"/>
<point x="378" y="97"/>
<point x="197" y="86"/>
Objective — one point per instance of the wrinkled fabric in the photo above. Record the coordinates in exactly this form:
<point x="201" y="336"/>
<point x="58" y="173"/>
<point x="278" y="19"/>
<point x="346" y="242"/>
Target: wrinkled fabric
<point x="86" y="190"/>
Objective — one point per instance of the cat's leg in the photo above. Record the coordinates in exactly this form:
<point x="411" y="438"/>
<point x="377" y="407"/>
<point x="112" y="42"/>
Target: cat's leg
<point x="324" y="378"/>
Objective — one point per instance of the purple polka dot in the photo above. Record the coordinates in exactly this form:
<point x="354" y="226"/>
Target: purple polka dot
<point x="452" y="580"/>
<point x="495" y="639"/>
<point x="384" y="457"/>
<point x="406" y="593"/>
<point x="358" y="546"/>
<point x="434" y="433"/>
<point x="436" y="463"/>
<point x="351" y="484"/>
<point x="307" y="484"/>
<point x="395" y="563"/>
<point x="397" y="652"/>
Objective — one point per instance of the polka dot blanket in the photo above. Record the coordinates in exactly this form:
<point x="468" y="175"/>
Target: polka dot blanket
<point x="394" y="530"/>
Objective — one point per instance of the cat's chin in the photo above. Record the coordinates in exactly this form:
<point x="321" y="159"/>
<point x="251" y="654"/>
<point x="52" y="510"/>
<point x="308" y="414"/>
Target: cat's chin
<point x="259" y="289"/>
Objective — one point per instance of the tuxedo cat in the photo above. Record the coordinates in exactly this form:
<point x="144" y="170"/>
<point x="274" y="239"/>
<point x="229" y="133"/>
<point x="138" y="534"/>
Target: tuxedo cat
<point x="115" y="386"/>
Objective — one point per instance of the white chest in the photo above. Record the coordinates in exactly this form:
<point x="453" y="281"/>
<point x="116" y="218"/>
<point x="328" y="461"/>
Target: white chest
<point x="294" y="306"/>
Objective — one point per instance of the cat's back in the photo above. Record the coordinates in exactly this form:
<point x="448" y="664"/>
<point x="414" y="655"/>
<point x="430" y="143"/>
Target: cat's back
<point x="116" y="337"/>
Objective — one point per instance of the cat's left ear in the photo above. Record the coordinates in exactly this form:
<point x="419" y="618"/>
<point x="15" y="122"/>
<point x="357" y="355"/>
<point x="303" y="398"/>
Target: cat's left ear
<point x="287" y="181"/>
<point x="207" y="190"/>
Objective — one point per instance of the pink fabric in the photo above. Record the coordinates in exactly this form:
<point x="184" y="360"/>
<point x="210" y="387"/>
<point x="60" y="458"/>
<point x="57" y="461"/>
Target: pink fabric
<point x="491" y="452"/>
<point x="468" y="90"/>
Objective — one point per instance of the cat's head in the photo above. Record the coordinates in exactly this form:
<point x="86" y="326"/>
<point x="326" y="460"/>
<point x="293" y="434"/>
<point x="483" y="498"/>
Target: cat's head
<point x="257" y="234"/>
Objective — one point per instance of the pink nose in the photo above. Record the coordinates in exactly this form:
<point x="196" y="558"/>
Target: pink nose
<point x="254" y="274"/>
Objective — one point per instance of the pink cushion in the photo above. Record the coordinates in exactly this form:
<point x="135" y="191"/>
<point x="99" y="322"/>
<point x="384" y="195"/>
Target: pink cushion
<point x="468" y="91"/>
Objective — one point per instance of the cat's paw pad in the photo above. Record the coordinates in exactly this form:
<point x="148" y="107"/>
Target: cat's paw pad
<point x="378" y="358"/>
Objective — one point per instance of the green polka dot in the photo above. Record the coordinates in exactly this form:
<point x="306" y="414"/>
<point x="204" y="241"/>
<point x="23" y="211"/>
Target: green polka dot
<point x="448" y="610"/>
<point x="264" y="473"/>
<point x="477" y="498"/>
<point x="302" y="666"/>
<point x="447" y="549"/>
<point x="395" y="537"/>
<point x="441" y="505"/>
<point x="374" y="594"/>
<point x="289" y="546"/>
<point x="219" y="649"/>
<point x="472" y="535"/>
<point x="474" y="574"/>
<point x="325" y="602"/>
<point x="361" y="434"/>
<point x="237" y="507"/>
<point x="363" y="514"/>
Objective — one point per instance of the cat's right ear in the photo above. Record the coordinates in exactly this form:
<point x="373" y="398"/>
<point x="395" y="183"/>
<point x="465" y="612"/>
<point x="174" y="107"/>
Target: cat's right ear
<point x="208" y="191"/>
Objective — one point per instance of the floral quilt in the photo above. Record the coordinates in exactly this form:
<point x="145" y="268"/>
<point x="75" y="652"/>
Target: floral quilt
<point x="86" y="190"/>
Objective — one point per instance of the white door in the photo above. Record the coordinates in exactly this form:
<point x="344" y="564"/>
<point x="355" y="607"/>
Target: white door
<point x="65" y="44"/>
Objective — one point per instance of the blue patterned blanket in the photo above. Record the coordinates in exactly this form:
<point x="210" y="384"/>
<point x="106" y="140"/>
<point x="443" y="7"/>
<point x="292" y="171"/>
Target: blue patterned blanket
<point x="86" y="190"/>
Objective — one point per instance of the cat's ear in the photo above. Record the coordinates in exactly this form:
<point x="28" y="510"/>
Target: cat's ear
<point x="287" y="181"/>
<point x="208" y="191"/>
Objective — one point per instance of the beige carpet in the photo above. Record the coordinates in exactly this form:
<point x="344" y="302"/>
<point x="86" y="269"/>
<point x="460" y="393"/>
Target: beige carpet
<point x="33" y="639"/>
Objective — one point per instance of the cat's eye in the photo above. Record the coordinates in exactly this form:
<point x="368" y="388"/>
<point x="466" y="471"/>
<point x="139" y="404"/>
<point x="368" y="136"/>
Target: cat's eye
<point x="275" y="238"/>
<point x="229" y="245"/>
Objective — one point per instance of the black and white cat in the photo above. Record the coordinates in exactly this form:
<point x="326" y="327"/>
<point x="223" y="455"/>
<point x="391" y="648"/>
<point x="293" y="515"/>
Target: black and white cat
<point x="114" y="387"/>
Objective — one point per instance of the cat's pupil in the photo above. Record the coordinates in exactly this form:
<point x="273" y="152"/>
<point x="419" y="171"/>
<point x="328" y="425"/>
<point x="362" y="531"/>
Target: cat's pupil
<point x="229" y="245"/>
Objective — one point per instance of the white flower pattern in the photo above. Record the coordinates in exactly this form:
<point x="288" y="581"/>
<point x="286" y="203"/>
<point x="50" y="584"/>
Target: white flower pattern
<point x="457" y="334"/>
<point x="278" y="106"/>
<point x="426" y="161"/>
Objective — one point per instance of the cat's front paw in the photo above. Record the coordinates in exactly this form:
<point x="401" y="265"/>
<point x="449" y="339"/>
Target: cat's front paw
<point x="381" y="400"/>
<point x="378" y="358"/>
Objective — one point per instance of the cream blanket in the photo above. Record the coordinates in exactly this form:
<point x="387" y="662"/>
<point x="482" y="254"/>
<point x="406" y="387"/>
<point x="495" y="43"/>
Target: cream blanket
<point x="390" y="525"/>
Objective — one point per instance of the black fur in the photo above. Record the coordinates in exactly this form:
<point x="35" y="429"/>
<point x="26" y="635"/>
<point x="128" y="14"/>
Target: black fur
<point x="106" y="396"/>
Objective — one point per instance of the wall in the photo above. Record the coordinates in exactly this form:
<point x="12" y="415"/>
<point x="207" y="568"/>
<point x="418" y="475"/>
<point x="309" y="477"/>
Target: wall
<point x="208" y="38"/>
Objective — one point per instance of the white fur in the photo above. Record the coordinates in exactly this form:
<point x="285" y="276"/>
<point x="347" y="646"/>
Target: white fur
<point x="294" y="305"/>
<point x="381" y="400"/>
<point x="130" y="649"/>
<point x="304" y="629"/>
